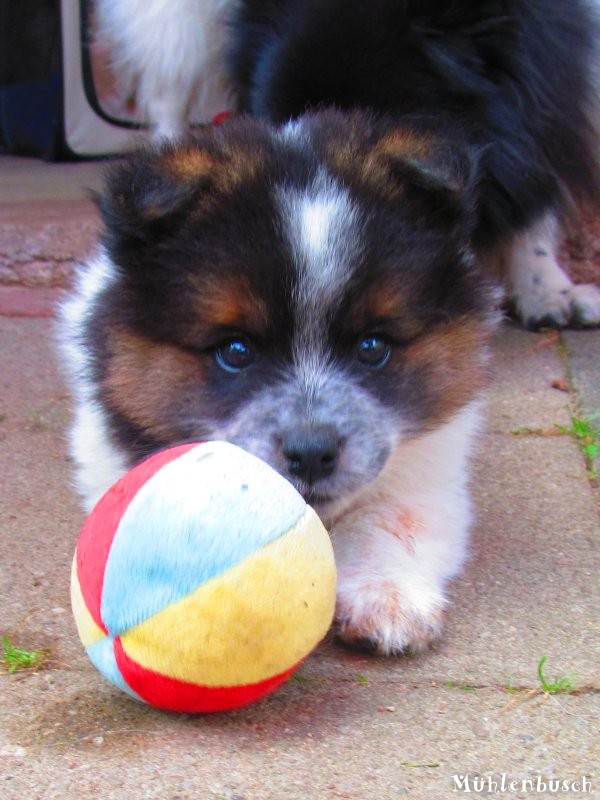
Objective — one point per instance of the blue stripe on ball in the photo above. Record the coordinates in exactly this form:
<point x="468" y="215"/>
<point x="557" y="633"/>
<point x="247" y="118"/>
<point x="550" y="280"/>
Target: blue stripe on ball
<point x="197" y="517"/>
<point x="102" y="656"/>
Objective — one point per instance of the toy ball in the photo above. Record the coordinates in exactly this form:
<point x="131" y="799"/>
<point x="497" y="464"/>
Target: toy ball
<point x="202" y="579"/>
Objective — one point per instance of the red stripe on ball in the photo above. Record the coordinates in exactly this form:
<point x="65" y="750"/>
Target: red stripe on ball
<point x="171" y="694"/>
<point x="99" y="529"/>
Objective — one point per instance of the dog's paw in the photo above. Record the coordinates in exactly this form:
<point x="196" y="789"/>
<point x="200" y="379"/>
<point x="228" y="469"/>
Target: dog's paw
<point x="585" y="304"/>
<point x="571" y="305"/>
<point x="542" y="293"/>
<point x="544" y="307"/>
<point x="382" y="616"/>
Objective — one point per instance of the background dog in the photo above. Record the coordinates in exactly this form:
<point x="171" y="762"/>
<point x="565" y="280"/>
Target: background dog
<point x="538" y="61"/>
<point x="519" y="77"/>
<point x="318" y="290"/>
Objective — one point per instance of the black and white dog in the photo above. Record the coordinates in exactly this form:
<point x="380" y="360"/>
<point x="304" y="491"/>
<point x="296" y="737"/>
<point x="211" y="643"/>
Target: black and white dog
<point x="313" y="280"/>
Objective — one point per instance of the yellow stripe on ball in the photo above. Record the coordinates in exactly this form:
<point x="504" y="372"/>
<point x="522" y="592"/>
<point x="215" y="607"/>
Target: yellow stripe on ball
<point x="256" y="620"/>
<point x="88" y="630"/>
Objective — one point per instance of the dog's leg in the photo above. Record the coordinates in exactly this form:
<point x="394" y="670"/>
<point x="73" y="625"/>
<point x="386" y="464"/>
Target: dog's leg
<point x="541" y="292"/>
<point x="167" y="111"/>
<point x="400" y="544"/>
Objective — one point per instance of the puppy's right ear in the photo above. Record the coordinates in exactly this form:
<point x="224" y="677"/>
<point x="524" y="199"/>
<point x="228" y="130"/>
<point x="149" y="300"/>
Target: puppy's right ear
<point x="437" y="165"/>
<point x="150" y="191"/>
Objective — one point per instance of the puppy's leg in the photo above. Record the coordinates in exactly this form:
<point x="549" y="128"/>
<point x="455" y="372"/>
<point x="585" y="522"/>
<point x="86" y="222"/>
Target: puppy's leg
<point x="542" y="293"/>
<point x="399" y="546"/>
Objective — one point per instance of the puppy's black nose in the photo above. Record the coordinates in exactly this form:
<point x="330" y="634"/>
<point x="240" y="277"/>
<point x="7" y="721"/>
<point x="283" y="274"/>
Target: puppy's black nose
<point x="311" y="453"/>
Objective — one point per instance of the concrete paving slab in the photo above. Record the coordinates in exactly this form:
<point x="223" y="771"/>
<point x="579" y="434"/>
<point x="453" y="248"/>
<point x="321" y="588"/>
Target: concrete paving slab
<point x="42" y="255"/>
<point x="526" y="369"/>
<point x="583" y="349"/>
<point x="327" y="739"/>
<point x="39" y="512"/>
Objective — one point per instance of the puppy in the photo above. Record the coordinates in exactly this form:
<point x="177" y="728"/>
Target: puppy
<point x="318" y="291"/>
<point x="308" y="293"/>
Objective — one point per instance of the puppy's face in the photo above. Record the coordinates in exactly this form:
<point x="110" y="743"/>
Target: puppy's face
<point x="305" y="293"/>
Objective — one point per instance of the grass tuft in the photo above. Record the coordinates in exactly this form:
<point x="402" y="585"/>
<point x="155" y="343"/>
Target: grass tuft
<point x="16" y="658"/>
<point x="586" y="431"/>
<point x="465" y="687"/>
<point x="559" y="685"/>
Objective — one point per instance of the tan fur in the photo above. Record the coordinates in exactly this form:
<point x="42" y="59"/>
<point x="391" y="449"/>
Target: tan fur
<point x="145" y="379"/>
<point x="189" y="163"/>
<point x="449" y="362"/>
<point x="386" y="303"/>
<point x="229" y="304"/>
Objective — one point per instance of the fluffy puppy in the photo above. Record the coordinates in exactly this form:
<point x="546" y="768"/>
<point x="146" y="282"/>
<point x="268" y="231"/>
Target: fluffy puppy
<point x="518" y="76"/>
<point x="315" y="291"/>
<point x="309" y="293"/>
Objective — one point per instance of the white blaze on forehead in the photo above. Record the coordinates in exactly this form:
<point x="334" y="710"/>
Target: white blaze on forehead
<point x="315" y="224"/>
<point x="321" y="225"/>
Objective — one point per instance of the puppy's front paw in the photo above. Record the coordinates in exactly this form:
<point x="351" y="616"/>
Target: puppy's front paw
<point x="386" y="617"/>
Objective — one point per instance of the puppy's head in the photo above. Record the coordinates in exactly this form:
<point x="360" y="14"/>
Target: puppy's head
<point x="305" y="292"/>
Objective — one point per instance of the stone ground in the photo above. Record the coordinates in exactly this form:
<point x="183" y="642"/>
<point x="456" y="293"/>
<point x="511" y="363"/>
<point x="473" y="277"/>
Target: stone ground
<point x="349" y="725"/>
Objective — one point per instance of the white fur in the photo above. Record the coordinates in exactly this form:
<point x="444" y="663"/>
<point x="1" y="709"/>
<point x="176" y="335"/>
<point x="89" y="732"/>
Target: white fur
<point x="321" y="226"/>
<point x="540" y="289"/>
<point x="403" y="538"/>
<point x="98" y="463"/>
<point x="170" y="53"/>
<point x="92" y="278"/>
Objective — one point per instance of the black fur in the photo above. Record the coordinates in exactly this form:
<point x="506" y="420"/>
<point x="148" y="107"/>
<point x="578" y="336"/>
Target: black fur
<point x="514" y="75"/>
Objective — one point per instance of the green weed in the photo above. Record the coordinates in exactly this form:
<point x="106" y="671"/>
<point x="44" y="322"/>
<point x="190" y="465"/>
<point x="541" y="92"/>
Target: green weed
<point x="466" y="687"/>
<point x="586" y="431"/>
<point x="511" y="689"/>
<point x="559" y="685"/>
<point x="15" y="658"/>
<point x="302" y="679"/>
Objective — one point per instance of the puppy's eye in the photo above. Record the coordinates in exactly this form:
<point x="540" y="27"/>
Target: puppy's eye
<point x="374" y="351"/>
<point x="235" y="355"/>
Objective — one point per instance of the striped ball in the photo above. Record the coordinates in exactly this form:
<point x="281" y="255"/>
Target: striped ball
<point x="201" y="579"/>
